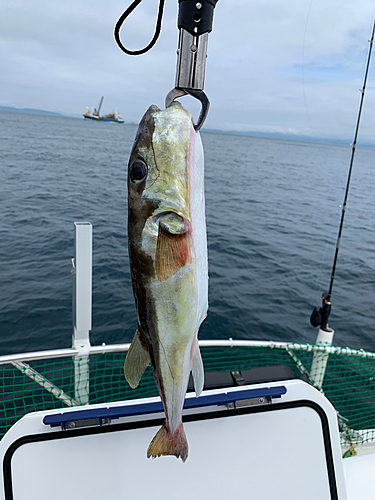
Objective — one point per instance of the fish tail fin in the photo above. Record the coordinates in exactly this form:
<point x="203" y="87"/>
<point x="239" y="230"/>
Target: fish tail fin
<point x="165" y="443"/>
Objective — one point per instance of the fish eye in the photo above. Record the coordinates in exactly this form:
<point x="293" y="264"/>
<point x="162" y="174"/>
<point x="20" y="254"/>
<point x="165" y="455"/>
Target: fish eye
<point x="138" y="170"/>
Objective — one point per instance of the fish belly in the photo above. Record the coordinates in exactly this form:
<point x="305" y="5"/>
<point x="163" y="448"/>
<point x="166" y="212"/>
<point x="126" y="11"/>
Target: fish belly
<point x="176" y="313"/>
<point x="198" y="218"/>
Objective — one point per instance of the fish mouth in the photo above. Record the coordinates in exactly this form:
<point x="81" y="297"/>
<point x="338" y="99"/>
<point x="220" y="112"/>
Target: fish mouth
<point x="172" y="223"/>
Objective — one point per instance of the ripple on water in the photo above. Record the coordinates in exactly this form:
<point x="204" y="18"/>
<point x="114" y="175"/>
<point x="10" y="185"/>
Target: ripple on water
<point x="271" y="222"/>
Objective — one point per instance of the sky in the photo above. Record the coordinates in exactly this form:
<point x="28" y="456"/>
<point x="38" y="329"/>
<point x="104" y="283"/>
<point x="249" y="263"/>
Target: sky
<point x="289" y="67"/>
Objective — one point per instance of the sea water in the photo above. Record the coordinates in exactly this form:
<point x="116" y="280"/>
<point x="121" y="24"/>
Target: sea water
<point x="273" y="209"/>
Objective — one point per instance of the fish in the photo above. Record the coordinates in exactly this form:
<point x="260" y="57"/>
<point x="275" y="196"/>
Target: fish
<point x="167" y="244"/>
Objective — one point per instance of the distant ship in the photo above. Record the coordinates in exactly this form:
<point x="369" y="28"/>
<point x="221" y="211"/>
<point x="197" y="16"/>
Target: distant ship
<point x="108" y="117"/>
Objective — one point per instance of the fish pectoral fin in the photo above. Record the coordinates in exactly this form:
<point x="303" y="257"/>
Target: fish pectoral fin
<point x="172" y="253"/>
<point x="197" y="368"/>
<point x="136" y="361"/>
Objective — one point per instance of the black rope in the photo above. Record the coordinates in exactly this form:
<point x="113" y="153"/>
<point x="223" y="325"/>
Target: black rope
<point x="120" y="22"/>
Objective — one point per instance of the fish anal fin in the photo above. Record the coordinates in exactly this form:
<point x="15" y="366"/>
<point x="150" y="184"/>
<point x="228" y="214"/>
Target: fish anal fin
<point x="197" y="367"/>
<point x="165" y="443"/>
<point x="172" y="253"/>
<point x="136" y="361"/>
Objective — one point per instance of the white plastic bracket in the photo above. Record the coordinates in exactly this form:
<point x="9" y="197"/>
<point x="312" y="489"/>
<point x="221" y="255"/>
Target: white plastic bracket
<point x="82" y="308"/>
<point x="320" y="359"/>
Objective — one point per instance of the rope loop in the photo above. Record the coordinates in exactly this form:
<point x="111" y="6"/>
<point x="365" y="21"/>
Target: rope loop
<point x="121" y="20"/>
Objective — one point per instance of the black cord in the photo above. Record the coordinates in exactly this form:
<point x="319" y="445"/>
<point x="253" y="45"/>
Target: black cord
<point x="120" y="22"/>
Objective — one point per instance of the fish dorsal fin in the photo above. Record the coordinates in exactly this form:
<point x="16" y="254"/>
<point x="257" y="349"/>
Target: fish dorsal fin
<point x="136" y="361"/>
<point x="197" y="367"/>
<point x="172" y="253"/>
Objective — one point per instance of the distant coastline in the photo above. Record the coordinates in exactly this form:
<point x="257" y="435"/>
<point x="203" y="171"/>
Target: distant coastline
<point x="253" y="133"/>
<point x="35" y="111"/>
<point x="285" y="137"/>
<point x="31" y="110"/>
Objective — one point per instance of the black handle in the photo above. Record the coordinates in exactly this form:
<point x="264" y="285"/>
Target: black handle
<point x="196" y="16"/>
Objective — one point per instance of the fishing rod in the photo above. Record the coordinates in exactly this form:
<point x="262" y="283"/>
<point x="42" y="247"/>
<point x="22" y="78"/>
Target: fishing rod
<point x="319" y="316"/>
<point x="195" y="20"/>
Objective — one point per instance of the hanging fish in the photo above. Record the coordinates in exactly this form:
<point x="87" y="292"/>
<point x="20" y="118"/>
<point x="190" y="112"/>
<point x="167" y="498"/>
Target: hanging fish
<point x="168" y="260"/>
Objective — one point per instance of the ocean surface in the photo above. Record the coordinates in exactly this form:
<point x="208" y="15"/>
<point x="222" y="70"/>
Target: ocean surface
<point x="273" y="209"/>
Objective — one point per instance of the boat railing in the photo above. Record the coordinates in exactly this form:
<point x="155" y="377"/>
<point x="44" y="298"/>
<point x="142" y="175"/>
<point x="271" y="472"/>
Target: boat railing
<point x="64" y="377"/>
<point x="111" y="348"/>
<point x="84" y="374"/>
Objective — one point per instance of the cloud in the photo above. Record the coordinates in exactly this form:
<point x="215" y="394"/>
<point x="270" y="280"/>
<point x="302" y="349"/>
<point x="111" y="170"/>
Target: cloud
<point x="283" y="66"/>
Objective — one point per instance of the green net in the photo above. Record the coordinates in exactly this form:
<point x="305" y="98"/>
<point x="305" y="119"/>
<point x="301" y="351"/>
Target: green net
<point x="346" y="377"/>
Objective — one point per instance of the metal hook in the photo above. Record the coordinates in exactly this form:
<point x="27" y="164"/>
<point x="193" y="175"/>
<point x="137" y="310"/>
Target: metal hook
<point x="198" y="94"/>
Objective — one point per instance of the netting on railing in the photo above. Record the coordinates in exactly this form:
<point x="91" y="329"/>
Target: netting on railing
<point x="349" y="382"/>
<point x="20" y="394"/>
